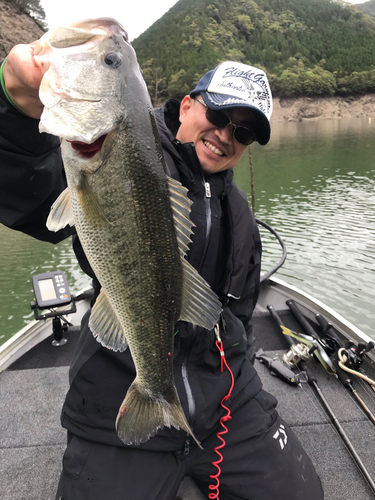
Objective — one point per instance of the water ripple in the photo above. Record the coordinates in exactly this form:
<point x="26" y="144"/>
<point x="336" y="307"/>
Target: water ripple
<point x="20" y="258"/>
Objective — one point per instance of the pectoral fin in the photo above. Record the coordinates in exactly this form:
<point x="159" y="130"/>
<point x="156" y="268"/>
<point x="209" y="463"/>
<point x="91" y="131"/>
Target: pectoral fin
<point x="105" y="325"/>
<point x="61" y="213"/>
<point x="68" y="37"/>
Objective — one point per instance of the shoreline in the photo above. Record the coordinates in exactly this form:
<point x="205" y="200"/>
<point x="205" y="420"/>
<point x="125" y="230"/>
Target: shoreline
<point x="297" y="109"/>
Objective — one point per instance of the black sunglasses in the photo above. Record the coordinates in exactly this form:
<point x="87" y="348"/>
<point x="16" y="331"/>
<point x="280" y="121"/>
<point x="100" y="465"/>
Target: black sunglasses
<point x="219" y="119"/>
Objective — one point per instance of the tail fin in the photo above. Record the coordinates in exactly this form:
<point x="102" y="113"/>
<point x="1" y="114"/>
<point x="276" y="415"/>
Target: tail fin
<point x="141" y="415"/>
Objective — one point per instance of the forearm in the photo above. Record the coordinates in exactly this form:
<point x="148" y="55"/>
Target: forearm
<point x="31" y="172"/>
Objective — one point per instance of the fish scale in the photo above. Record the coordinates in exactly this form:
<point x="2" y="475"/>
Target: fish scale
<point x="132" y="219"/>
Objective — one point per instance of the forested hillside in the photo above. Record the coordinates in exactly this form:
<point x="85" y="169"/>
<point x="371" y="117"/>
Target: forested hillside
<point x="307" y="47"/>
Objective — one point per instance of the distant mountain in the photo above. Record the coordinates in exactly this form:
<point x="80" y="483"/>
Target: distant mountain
<point x="368" y="8"/>
<point x="307" y="47"/>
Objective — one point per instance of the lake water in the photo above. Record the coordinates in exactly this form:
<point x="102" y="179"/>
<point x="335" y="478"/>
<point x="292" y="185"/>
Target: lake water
<point x="314" y="183"/>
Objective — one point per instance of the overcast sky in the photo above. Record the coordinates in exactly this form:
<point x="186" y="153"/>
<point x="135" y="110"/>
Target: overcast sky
<point x="135" y="15"/>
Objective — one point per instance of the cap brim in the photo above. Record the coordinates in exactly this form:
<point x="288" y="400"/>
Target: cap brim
<point x="263" y="127"/>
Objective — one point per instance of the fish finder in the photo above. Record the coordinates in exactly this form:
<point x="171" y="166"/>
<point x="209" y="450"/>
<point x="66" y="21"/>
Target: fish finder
<point x="51" y="290"/>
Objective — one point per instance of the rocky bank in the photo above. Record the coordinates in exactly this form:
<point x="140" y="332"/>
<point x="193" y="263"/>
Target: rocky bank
<point x="16" y="27"/>
<point x="288" y="109"/>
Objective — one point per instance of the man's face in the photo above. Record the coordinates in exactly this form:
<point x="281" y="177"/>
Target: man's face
<point x="216" y="148"/>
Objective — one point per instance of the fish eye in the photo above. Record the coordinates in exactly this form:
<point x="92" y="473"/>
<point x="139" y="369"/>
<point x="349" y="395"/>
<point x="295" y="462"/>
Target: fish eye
<point x="113" y="59"/>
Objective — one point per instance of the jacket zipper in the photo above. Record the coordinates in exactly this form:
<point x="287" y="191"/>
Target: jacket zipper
<point x="184" y="369"/>
<point x="207" y="199"/>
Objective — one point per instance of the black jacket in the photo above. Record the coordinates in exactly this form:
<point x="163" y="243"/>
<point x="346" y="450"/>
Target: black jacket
<point x="31" y="174"/>
<point x="226" y="251"/>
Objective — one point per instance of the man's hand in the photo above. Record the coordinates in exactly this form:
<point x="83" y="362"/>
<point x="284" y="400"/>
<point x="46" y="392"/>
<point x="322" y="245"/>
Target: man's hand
<point x="22" y="79"/>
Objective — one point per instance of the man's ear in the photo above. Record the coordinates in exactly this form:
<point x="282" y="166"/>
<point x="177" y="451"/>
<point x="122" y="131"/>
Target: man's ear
<point x="186" y="104"/>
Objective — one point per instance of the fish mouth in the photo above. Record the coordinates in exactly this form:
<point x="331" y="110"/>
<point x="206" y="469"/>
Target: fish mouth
<point x="88" y="151"/>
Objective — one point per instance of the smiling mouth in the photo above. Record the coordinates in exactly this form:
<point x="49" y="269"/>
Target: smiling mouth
<point x="212" y="148"/>
<point x="88" y="151"/>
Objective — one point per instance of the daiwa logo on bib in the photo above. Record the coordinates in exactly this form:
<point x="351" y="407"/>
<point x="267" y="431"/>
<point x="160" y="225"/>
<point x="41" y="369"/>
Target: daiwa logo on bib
<point x="240" y="84"/>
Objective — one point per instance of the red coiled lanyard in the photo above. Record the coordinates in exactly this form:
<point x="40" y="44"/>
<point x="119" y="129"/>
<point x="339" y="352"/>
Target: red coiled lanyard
<point x="224" y="418"/>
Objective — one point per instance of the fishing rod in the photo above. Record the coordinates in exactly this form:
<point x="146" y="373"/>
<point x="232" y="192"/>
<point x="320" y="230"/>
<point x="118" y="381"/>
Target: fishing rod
<point x="312" y="381"/>
<point x="297" y="351"/>
<point x="300" y="352"/>
<point x="307" y="345"/>
<point x="338" y="350"/>
<point x="279" y="368"/>
<point x="352" y="355"/>
<point x="347" y="382"/>
<point x="344" y="359"/>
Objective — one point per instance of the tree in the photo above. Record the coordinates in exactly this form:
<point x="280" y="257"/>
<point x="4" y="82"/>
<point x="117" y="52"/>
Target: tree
<point x="155" y="79"/>
<point x="33" y="9"/>
<point x="178" y="85"/>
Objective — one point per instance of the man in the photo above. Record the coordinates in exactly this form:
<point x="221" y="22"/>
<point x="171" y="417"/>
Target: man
<point x="202" y="138"/>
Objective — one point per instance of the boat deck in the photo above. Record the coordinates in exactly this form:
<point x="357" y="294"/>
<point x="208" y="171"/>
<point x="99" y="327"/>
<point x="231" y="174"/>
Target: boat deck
<point x="301" y="409"/>
<point x="32" y="442"/>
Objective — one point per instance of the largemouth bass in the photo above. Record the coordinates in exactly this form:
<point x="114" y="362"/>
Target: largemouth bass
<point x="132" y="219"/>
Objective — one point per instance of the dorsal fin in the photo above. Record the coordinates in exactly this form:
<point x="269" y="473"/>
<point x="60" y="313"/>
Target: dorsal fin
<point x="199" y="304"/>
<point x="181" y="214"/>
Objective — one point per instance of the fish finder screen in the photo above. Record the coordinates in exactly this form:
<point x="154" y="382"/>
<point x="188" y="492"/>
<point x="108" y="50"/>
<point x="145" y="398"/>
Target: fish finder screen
<point x="47" y="290"/>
